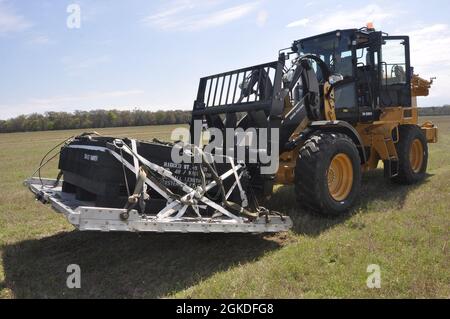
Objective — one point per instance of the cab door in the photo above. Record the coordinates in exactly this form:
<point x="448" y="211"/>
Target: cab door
<point x="346" y="105"/>
<point x="395" y="72"/>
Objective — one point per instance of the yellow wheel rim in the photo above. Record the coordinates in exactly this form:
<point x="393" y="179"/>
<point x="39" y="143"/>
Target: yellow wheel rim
<point x="416" y="155"/>
<point x="340" y="177"/>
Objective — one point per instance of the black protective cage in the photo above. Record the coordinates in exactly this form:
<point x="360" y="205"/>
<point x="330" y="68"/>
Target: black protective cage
<point x="222" y="96"/>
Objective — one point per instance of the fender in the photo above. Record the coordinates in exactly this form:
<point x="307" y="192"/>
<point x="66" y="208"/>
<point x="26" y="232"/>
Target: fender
<point x="331" y="126"/>
<point x="342" y="127"/>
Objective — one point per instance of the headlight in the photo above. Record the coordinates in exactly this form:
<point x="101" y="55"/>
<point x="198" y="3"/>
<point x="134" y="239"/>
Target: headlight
<point x="334" y="78"/>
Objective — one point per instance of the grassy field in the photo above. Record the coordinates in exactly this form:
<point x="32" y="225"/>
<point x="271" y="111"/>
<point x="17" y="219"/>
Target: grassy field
<point x="405" y="230"/>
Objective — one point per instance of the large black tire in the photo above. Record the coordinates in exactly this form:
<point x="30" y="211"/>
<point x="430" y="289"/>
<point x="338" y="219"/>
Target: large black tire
<point x="407" y="174"/>
<point x="311" y="173"/>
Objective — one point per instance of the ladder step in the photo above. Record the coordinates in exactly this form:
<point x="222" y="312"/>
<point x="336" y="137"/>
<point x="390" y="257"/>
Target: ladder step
<point x="390" y="168"/>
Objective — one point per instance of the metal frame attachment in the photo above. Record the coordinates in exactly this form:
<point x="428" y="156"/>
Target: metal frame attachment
<point x="84" y="216"/>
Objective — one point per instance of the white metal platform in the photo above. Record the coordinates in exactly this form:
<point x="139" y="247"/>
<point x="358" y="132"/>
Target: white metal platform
<point x="84" y="216"/>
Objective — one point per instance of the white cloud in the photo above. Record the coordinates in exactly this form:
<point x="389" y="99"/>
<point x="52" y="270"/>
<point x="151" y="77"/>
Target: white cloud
<point x="430" y="43"/>
<point x="342" y="19"/>
<point x="430" y="57"/>
<point x="40" y="40"/>
<point x="10" y="21"/>
<point x="221" y="17"/>
<point x="167" y="14"/>
<point x="197" y="15"/>
<point x="430" y="46"/>
<point x="298" y="23"/>
<point x="355" y="18"/>
<point x="262" y="17"/>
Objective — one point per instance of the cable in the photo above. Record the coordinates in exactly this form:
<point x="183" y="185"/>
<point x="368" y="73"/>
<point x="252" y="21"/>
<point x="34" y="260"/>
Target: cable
<point x="42" y="164"/>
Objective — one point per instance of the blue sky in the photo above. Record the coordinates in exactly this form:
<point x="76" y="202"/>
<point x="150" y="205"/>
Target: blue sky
<point x="150" y="54"/>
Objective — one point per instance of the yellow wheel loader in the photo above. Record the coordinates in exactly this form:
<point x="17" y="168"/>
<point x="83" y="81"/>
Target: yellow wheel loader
<point x="367" y="113"/>
<point x="331" y="107"/>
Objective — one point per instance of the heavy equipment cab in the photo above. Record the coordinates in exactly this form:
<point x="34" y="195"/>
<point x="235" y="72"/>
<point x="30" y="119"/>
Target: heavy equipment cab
<point x="375" y="70"/>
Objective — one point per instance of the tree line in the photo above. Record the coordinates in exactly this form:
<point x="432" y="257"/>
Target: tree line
<point x="115" y="118"/>
<point x="434" y="110"/>
<point x="92" y="119"/>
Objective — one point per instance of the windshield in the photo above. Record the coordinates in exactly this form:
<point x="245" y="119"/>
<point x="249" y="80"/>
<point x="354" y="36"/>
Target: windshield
<point x="333" y="49"/>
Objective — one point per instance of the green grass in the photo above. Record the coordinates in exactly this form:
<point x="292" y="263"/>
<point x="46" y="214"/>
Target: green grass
<point x="405" y="230"/>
